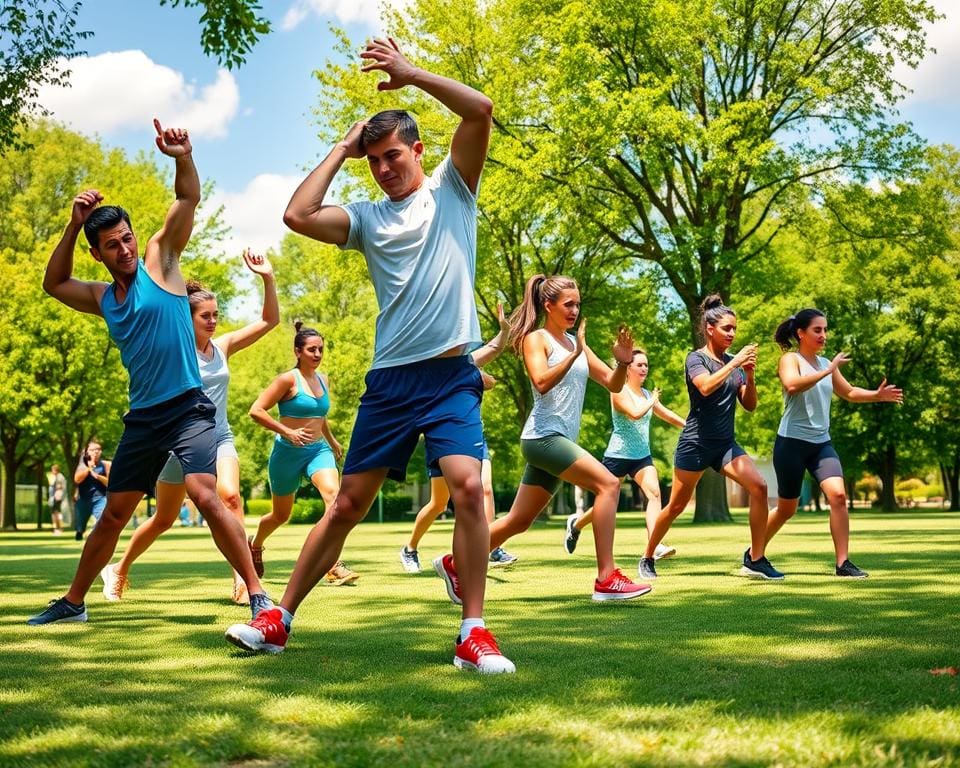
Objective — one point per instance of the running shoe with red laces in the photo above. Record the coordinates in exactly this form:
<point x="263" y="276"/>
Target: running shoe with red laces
<point x="444" y="567"/>
<point x="264" y="634"/>
<point x="618" y="587"/>
<point x="480" y="653"/>
<point x="257" y="554"/>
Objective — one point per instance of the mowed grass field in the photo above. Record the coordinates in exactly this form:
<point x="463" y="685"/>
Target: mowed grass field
<point x="710" y="669"/>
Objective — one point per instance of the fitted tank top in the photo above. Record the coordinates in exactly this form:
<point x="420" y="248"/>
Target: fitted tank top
<point x="806" y="416"/>
<point x="558" y="411"/>
<point x="215" y="379"/>
<point x="631" y="437"/>
<point x="154" y="332"/>
<point x="304" y="405"/>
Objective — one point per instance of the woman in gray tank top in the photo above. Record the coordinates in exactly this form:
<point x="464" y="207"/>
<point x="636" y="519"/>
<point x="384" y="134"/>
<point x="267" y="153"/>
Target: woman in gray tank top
<point x="803" y="439"/>
<point x="212" y="356"/>
<point x="559" y="364"/>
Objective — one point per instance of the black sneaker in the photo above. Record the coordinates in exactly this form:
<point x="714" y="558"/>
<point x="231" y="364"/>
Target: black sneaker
<point x="646" y="568"/>
<point x="850" y="571"/>
<point x="60" y="610"/>
<point x="260" y="602"/>
<point x="759" y="569"/>
<point x="572" y="535"/>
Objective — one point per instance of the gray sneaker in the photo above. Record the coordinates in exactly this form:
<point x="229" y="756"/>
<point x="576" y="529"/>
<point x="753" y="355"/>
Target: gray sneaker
<point x="59" y="611"/>
<point x="759" y="569"/>
<point x="646" y="568"/>
<point x="500" y="558"/>
<point x="410" y="560"/>
<point x="849" y="571"/>
<point x="572" y="535"/>
<point x="260" y="602"/>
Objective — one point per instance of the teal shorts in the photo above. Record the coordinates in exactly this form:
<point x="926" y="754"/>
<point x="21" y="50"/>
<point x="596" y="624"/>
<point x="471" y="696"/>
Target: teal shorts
<point x="288" y="463"/>
<point x="547" y="458"/>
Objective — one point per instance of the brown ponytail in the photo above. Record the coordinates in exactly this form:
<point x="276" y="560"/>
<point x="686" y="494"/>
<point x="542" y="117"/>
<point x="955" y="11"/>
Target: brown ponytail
<point x="538" y="290"/>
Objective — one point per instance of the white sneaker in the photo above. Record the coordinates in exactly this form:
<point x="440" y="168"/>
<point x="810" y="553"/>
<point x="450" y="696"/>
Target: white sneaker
<point x="662" y="552"/>
<point x="572" y="534"/>
<point x="113" y="583"/>
<point x="410" y="560"/>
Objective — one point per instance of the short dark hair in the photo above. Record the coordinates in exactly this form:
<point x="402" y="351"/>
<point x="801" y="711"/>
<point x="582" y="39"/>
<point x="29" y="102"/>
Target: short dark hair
<point x="386" y="122"/>
<point x="104" y="217"/>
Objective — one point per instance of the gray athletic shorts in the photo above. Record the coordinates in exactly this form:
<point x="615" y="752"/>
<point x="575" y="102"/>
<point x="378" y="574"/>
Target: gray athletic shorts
<point x="172" y="471"/>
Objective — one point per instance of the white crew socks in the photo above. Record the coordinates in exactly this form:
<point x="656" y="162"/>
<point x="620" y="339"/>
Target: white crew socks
<point x="467" y="625"/>
<point x="286" y="616"/>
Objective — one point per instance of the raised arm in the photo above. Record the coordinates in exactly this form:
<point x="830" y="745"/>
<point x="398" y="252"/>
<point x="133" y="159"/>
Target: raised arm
<point x="306" y="213"/>
<point x="612" y="378"/>
<point x="542" y="376"/>
<point x="269" y="315"/>
<point x="162" y="256"/>
<point x="622" y="402"/>
<point x="468" y="150"/>
<point x="58" y="280"/>
<point x="885" y="393"/>
<point x="661" y="411"/>
<point x="747" y="394"/>
<point x="794" y="382"/>
<point x="709" y="383"/>
<point x="493" y="348"/>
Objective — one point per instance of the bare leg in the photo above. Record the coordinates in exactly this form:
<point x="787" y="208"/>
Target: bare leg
<point x="785" y="509"/>
<point x="589" y="474"/>
<point x="836" y="495"/>
<point x="280" y="509"/>
<point x="439" y="496"/>
<point x="684" y="484"/>
<point x="327" y="482"/>
<point x="102" y="541"/>
<point x="325" y="541"/>
<point x="584" y="520"/>
<point x="471" y="535"/>
<point x="527" y="504"/>
<point x="169" y="499"/>
<point x="743" y="471"/>
<point x="486" y="480"/>
<point x="649" y="483"/>
<point x="228" y="489"/>
<point x="227" y="531"/>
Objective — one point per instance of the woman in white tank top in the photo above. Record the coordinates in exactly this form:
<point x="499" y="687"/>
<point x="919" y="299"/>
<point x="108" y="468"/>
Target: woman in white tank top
<point x="803" y="438"/>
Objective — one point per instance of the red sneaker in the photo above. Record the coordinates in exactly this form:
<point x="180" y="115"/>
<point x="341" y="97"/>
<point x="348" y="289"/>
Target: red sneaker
<point x="479" y="653"/>
<point x="265" y="634"/>
<point x="618" y="587"/>
<point x="444" y="568"/>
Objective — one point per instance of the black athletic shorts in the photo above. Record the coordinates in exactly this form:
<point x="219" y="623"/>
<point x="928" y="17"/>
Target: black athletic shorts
<point x="183" y="425"/>
<point x="626" y="467"/>
<point x="694" y="457"/>
<point x="792" y="457"/>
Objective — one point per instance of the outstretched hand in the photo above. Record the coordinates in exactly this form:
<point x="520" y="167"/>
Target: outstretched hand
<point x="84" y="204"/>
<point x="888" y="393"/>
<point x="623" y="347"/>
<point x="173" y="142"/>
<point x="581" y="336"/>
<point x="841" y="358"/>
<point x="746" y="358"/>
<point x="256" y="263"/>
<point x="505" y="326"/>
<point x="385" y="56"/>
<point x="489" y="382"/>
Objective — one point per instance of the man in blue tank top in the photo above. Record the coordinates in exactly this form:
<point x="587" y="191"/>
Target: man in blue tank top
<point x="148" y="317"/>
<point x="420" y="245"/>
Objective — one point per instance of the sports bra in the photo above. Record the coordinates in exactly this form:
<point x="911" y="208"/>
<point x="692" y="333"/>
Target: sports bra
<point x="304" y="405"/>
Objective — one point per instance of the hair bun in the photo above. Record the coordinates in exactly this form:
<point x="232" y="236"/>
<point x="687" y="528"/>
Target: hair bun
<point x="193" y="286"/>
<point x="713" y="300"/>
<point x="297" y="325"/>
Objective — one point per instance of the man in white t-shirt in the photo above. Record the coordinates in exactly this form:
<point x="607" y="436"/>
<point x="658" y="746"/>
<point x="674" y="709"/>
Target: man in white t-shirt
<point x="419" y="243"/>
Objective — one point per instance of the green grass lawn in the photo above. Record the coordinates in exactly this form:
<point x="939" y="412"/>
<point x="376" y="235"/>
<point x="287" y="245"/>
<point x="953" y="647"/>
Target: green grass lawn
<point x="709" y="669"/>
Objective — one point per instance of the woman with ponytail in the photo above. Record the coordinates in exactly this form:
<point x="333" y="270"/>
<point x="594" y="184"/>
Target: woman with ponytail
<point x="304" y="445"/>
<point x="803" y="438"/>
<point x="559" y="363"/>
<point x="716" y="381"/>
<point x="212" y="357"/>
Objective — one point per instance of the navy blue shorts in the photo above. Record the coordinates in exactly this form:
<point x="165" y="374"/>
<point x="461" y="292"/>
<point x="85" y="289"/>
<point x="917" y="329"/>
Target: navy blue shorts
<point x="435" y="471"/>
<point x="184" y="425"/>
<point x="437" y="398"/>
<point x="792" y="458"/>
<point x="626" y="467"/>
<point x="694" y="457"/>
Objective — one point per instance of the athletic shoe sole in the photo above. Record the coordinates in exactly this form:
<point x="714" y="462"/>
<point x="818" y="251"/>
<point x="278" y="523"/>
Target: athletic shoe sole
<point x="752" y="574"/>
<point x="108" y="583"/>
<point x="602" y="597"/>
<point x="665" y="553"/>
<point x="466" y="666"/>
<point x="442" y="573"/>
<point x="235" y="636"/>
<point x="78" y="619"/>
<point x="408" y="567"/>
<point x="502" y="564"/>
<point x="845" y="577"/>
<point x="344" y="581"/>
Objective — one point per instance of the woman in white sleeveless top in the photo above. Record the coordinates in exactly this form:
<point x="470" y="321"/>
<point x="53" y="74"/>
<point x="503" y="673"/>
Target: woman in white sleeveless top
<point x="803" y="438"/>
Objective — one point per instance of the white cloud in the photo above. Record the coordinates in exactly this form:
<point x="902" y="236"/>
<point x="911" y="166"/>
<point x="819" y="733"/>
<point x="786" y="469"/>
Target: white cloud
<point x="255" y="214"/>
<point x="345" y="11"/>
<point x="120" y="90"/>
<point x="935" y="79"/>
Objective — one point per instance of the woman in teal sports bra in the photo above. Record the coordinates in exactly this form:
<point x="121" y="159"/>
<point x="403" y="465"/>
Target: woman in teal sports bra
<point x="304" y="446"/>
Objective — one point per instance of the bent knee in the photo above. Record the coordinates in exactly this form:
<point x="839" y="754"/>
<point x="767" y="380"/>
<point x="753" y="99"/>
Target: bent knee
<point x="758" y="488"/>
<point x="608" y="486"/>
<point x="345" y="511"/>
<point x="468" y="495"/>
<point x="837" y="499"/>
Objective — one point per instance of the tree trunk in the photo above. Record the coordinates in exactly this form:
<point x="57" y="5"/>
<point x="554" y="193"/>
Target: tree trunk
<point x="712" y="504"/>
<point x="8" y="517"/>
<point x="888" y="471"/>
<point x="951" y="484"/>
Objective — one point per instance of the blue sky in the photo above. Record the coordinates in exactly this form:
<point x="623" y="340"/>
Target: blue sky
<point x="253" y="129"/>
